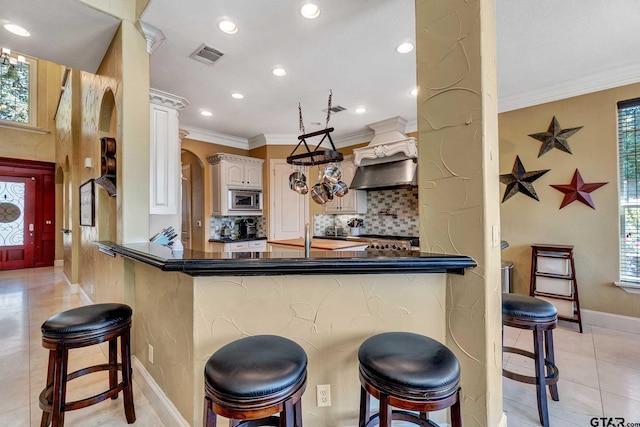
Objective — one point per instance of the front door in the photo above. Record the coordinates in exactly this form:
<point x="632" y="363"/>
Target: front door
<point x="17" y="221"/>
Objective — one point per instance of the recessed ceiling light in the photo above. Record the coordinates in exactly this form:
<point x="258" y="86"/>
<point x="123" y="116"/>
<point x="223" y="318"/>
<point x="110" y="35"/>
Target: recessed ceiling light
<point x="404" y="48"/>
<point x="237" y="95"/>
<point x="414" y="92"/>
<point x="360" y="110"/>
<point x="17" y="30"/>
<point x="310" y="11"/>
<point x="279" y="72"/>
<point x="206" y="113"/>
<point x="228" y="27"/>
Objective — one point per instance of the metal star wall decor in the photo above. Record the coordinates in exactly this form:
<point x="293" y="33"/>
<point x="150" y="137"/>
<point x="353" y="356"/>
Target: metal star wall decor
<point x="578" y="190"/>
<point x="520" y="181"/>
<point x="555" y="137"/>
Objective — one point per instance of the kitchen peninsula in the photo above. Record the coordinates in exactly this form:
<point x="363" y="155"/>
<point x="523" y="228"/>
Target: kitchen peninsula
<point x="189" y="305"/>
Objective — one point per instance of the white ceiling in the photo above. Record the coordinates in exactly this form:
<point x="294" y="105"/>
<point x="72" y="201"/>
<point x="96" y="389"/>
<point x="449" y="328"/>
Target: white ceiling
<point x="64" y="31"/>
<point x="547" y="50"/>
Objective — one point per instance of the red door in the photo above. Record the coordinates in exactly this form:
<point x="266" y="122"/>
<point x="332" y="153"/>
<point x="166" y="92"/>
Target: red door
<point x="17" y="222"/>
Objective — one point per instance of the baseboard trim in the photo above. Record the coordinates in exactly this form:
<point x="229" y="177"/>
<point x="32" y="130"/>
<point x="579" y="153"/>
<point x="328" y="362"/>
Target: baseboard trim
<point x="73" y="287"/>
<point x="86" y="299"/>
<point x="165" y="409"/>
<point x="58" y="263"/>
<point x="503" y="420"/>
<point x="611" y="321"/>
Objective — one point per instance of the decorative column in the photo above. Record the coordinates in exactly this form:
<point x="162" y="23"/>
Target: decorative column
<point x="164" y="161"/>
<point x="458" y="181"/>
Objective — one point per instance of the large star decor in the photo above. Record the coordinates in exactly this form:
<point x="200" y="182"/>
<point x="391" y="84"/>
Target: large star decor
<point x="555" y="137"/>
<point x="520" y="181"/>
<point x="578" y="190"/>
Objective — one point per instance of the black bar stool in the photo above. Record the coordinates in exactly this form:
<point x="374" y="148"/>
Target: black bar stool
<point x="411" y="372"/>
<point x="253" y="378"/>
<point x="82" y="327"/>
<point x="525" y="312"/>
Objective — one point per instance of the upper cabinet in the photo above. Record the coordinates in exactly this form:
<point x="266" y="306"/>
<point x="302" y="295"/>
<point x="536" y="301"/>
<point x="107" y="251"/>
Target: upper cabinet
<point x="241" y="172"/>
<point x="236" y="184"/>
<point x="164" y="152"/>
<point x="355" y="201"/>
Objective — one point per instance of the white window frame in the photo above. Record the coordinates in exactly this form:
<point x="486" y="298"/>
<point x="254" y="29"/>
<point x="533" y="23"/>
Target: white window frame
<point x="33" y="98"/>
<point x="629" y="282"/>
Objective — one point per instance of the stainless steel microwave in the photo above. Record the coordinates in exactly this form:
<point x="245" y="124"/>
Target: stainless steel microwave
<point x="245" y="200"/>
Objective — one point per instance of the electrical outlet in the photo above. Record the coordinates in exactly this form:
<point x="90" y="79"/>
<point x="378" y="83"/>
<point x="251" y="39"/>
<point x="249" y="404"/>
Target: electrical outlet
<point x="150" y="354"/>
<point x="323" y="395"/>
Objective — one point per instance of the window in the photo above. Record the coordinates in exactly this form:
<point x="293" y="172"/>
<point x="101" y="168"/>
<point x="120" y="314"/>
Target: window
<point x="629" y="158"/>
<point x="18" y="91"/>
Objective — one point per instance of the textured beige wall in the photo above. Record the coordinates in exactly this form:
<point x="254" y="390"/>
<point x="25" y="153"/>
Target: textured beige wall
<point x="19" y="144"/>
<point x="594" y="233"/>
<point x="458" y="148"/>
<point x="329" y="316"/>
<point x="163" y="317"/>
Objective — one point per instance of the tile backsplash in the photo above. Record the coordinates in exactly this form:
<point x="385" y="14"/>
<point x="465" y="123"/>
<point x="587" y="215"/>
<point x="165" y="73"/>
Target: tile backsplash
<point x="218" y="221"/>
<point x="382" y="206"/>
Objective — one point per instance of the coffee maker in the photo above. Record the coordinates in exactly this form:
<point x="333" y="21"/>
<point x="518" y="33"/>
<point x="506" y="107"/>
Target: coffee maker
<point x="252" y="229"/>
<point x="241" y="226"/>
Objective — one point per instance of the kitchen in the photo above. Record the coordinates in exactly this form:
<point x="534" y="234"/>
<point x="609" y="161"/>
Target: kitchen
<point x="384" y="207"/>
<point x="450" y="222"/>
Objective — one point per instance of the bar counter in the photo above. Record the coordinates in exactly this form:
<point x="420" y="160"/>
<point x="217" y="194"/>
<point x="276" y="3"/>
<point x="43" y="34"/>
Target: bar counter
<point x="196" y="263"/>
<point x="187" y="306"/>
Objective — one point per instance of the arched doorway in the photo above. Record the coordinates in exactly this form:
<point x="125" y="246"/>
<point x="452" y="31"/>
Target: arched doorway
<point x="192" y="201"/>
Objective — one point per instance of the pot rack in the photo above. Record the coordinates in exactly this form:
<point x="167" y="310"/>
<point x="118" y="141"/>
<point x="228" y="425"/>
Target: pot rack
<point x="316" y="156"/>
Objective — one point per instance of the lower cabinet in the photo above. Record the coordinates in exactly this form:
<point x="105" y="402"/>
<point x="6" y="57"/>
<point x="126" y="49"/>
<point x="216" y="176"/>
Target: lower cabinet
<point x="246" y="246"/>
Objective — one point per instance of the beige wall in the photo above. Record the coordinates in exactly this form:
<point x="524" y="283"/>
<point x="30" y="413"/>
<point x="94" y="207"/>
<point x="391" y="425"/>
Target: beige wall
<point x="187" y="319"/>
<point x="458" y="195"/>
<point x="594" y="233"/>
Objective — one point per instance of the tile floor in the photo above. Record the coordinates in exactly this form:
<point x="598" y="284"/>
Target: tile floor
<point x="599" y="369"/>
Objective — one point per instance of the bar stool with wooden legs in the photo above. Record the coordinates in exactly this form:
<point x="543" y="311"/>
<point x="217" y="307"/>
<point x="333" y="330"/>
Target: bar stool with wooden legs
<point x="410" y="372"/>
<point x="541" y="317"/>
<point x="252" y="379"/>
<point x="82" y="327"/>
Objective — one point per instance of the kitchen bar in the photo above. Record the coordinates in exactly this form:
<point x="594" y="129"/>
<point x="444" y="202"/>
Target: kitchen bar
<point x="189" y="306"/>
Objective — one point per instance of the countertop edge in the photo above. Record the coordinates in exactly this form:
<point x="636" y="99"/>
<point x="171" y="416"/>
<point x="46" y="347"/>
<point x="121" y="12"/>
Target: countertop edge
<point x="410" y="263"/>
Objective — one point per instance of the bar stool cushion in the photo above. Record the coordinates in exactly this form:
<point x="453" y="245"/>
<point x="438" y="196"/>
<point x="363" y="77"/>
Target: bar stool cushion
<point x="256" y="366"/>
<point x="416" y="362"/>
<point x="85" y="319"/>
<point x="527" y="307"/>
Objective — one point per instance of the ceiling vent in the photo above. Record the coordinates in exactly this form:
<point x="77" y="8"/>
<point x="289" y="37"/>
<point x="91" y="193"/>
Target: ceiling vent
<point x="335" y="109"/>
<point x="206" y="54"/>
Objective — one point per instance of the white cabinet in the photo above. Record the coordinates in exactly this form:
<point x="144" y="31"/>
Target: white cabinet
<point x="242" y="173"/>
<point x="232" y="172"/>
<point x="355" y="201"/>
<point x="246" y="246"/>
<point x="164" y="161"/>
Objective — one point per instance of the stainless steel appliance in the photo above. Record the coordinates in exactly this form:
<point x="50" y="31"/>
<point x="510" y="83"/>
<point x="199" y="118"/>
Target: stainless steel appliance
<point x="252" y="228"/>
<point x="245" y="200"/>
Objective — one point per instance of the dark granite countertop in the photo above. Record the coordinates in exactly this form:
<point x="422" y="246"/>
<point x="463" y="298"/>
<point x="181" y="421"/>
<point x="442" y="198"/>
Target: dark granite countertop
<point x="241" y="239"/>
<point x="196" y="263"/>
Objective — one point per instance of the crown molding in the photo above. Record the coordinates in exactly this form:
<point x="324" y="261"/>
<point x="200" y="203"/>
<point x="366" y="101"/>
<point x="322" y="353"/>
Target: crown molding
<point x="216" y="137"/>
<point x="608" y="79"/>
<point x="165" y="99"/>
<point x="272" y="139"/>
<point x="153" y="35"/>
<point x="354" y="139"/>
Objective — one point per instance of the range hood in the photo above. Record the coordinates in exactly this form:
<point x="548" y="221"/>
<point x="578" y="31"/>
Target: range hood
<point x="390" y="159"/>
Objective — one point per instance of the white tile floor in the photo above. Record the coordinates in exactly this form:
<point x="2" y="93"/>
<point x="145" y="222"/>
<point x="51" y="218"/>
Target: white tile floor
<point x="599" y="369"/>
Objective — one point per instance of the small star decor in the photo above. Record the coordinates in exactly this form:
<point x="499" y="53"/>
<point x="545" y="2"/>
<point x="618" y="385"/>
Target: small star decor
<point x="555" y="137"/>
<point x="578" y="190"/>
<point x="520" y="181"/>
